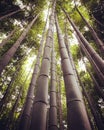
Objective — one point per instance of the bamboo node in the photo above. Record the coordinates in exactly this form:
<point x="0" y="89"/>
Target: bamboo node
<point x="74" y="100"/>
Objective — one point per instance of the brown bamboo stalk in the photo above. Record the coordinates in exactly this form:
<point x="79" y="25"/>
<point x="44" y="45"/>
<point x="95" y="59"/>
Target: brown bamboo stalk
<point x="26" y="115"/>
<point x="7" y="39"/>
<point x="10" y="14"/>
<point x="93" y="108"/>
<point x="10" y="53"/>
<point x="7" y="91"/>
<point x="98" y="60"/>
<point x="98" y="42"/>
<point x="53" y="104"/>
<point x="95" y="67"/>
<point x="9" y="122"/>
<point x="67" y="44"/>
<point x="96" y="85"/>
<point x="77" y="116"/>
<point x="39" y="113"/>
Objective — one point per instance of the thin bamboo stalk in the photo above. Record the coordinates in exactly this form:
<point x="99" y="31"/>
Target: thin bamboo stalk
<point x="10" y="53"/>
<point x="10" y="14"/>
<point x="98" y="60"/>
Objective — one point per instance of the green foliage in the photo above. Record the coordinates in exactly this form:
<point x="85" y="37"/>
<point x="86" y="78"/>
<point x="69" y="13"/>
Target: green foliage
<point x="64" y="107"/>
<point x="90" y="4"/>
<point x="32" y="40"/>
<point x="75" y="52"/>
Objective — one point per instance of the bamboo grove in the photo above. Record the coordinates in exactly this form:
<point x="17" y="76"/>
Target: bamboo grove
<point x="42" y="86"/>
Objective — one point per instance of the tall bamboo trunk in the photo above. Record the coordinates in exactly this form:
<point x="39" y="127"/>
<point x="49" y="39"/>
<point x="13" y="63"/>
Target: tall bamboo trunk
<point x="77" y="116"/>
<point x="9" y="123"/>
<point x="96" y="85"/>
<point x="7" y="39"/>
<point x="98" y="88"/>
<point x="93" y="33"/>
<point x="67" y="44"/>
<point x="93" y="108"/>
<point x="18" y="64"/>
<point x="61" y="125"/>
<point x="10" y="53"/>
<point x="98" y="60"/>
<point x="18" y="120"/>
<point x="7" y="91"/>
<point x="95" y="67"/>
<point x="10" y="14"/>
<point x="53" y="104"/>
<point x="39" y="113"/>
<point x="26" y="115"/>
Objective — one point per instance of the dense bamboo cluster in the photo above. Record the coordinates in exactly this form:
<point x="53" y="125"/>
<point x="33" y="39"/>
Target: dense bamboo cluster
<point x="95" y="37"/>
<point x="40" y="106"/>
